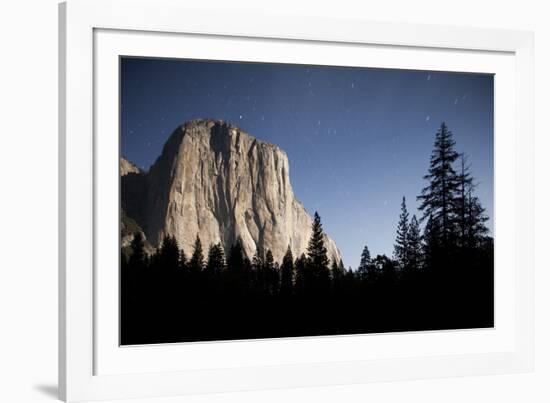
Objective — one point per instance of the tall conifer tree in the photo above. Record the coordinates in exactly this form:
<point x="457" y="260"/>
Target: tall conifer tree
<point x="196" y="263"/>
<point x="465" y="185"/>
<point x="287" y="273"/>
<point x="414" y="245"/>
<point x="365" y="264"/>
<point x="216" y="261"/>
<point x="475" y="221"/>
<point x="169" y="254"/>
<point x="400" y="247"/>
<point x="271" y="271"/>
<point x="237" y="268"/>
<point x="438" y="198"/>
<point x="470" y="214"/>
<point x="317" y="255"/>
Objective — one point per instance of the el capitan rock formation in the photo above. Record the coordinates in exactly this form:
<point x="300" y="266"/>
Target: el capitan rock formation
<point x="220" y="183"/>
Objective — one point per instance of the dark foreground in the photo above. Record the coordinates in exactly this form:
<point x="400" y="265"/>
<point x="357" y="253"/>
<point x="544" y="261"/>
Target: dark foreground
<point x="175" y="305"/>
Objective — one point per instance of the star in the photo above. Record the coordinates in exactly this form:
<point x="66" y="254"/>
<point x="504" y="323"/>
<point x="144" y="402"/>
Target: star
<point x="429" y="77"/>
<point x="428" y="118"/>
<point x="352" y="85"/>
<point x="240" y="117"/>
<point x="456" y="101"/>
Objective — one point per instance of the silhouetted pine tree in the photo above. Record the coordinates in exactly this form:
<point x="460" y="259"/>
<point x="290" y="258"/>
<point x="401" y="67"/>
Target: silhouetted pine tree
<point x="238" y="267"/>
<point x="438" y="198"/>
<point x="196" y="263"/>
<point x="365" y="264"/>
<point x="236" y="257"/>
<point x="169" y="255"/>
<point x="272" y="273"/>
<point x="400" y="247"/>
<point x="216" y="261"/>
<point x="317" y="256"/>
<point x="475" y="221"/>
<point x="338" y="272"/>
<point x="414" y="245"/>
<point x="465" y="185"/>
<point x="287" y="273"/>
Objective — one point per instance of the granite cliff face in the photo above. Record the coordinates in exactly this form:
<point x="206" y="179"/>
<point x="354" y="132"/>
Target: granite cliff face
<point x="218" y="182"/>
<point x="126" y="167"/>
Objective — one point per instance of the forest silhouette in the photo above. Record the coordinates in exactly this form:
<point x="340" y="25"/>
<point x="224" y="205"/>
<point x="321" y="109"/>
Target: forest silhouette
<point x="441" y="276"/>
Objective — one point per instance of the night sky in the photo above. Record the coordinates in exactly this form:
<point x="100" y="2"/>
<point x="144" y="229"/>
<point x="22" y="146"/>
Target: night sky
<point x="358" y="140"/>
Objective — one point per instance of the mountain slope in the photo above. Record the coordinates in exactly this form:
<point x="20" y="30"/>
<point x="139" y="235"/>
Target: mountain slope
<point x="218" y="182"/>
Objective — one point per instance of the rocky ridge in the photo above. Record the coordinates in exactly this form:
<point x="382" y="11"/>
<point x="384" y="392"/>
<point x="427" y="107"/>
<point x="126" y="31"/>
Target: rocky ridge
<point x="218" y="182"/>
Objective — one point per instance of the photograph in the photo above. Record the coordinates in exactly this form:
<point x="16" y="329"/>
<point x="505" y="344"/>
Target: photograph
<point x="266" y="200"/>
<point x="275" y="202"/>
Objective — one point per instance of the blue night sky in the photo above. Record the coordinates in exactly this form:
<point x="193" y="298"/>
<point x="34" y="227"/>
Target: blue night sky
<point x="358" y="139"/>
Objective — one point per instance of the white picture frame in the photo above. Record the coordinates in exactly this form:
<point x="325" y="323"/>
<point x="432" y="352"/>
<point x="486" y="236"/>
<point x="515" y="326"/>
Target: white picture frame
<point x="85" y="345"/>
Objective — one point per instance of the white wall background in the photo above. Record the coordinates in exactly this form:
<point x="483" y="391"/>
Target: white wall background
<point x="28" y="201"/>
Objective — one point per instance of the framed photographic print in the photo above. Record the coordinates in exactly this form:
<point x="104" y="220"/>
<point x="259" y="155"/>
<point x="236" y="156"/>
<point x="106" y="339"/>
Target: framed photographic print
<point x="277" y="202"/>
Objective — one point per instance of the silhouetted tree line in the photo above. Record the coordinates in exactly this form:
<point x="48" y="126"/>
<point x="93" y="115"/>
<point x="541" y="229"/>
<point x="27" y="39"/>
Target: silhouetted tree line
<point x="439" y="277"/>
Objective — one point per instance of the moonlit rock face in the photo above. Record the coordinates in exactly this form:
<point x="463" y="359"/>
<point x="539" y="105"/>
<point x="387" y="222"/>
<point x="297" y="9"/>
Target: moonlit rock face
<point x="126" y="167"/>
<point x="218" y="182"/>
